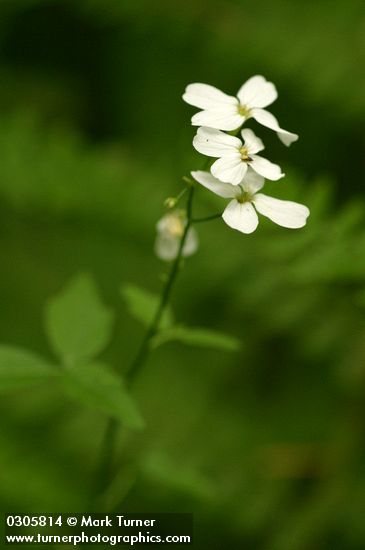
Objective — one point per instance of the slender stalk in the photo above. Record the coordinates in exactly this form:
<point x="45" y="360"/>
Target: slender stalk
<point x="165" y="297"/>
<point x="103" y="474"/>
<point x="181" y="194"/>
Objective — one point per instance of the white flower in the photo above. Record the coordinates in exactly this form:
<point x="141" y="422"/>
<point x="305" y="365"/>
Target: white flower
<point x="240" y="213"/>
<point x="170" y="229"/>
<point x="225" y="112"/>
<point x="234" y="156"/>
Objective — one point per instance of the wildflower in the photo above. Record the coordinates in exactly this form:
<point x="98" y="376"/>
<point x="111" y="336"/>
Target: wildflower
<point x="241" y="212"/>
<point x="225" y="112"/>
<point x="234" y="156"/>
<point x="170" y="229"/>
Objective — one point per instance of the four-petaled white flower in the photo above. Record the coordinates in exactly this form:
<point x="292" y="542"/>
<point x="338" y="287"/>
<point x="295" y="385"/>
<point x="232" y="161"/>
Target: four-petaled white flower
<point x="234" y="156"/>
<point x="225" y="112"/>
<point x="240" y="213"/>
<point x="170" y="229"/>
<point x="239" y="172"/>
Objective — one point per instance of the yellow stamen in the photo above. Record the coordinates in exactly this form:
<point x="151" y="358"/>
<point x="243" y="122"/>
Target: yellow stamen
<point x="244" y="154"/>
<point x="243" y="111"/>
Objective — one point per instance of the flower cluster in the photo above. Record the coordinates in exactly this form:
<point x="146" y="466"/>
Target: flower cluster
<point x="239" y="172"/>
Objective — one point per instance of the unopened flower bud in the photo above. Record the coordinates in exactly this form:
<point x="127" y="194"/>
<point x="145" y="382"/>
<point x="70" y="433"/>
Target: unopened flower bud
<point x="170" y="202"/>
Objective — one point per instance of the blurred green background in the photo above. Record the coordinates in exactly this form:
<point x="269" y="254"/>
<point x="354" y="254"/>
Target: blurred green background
<point x="265" y="446"/>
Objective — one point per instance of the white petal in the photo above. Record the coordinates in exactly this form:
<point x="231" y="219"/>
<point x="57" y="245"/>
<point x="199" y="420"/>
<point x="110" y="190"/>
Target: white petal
<point x="224" y="118"/>
<point x="252" y="182"/>
<point x="215" y="143"/>
<point x="163" y="224"/>
<point x="252" y="142"/>
<point x="267" y="119"/>
<point x="166" y="246"/>
<point x="241" y="216"/>
<point x="205" y="96"/>
<point x="266" y="168"/>
<point x="225" y="190"/>
<point x="285" y="213"/>
<point x="257" y="92"/>
<point x="191" y="243"/>
<point x="229" y="169"/>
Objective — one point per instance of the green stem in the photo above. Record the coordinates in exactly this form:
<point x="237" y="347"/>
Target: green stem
<point x="165" y="297"/>
<point x="181" y="194"/>
<point x="103" y="474"/>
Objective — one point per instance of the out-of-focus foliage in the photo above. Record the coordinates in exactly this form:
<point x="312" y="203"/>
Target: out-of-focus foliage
<point x="78" y="327"/>
<point x="196" y="336"/>
<point x="266" y="445"/>
<point x="21" y="368"/>
<point x="142" y="305"/>
<point x="78" y="324"/>
<point x="98" y="387"/>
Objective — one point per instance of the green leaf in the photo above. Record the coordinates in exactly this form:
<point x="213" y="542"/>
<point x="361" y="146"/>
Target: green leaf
<point x="19" y="368"/>
<point x="142" y="305"/>
<point x="77" y="323"/>
<point x="195" y="336"/>
<point x="96" y="386"/>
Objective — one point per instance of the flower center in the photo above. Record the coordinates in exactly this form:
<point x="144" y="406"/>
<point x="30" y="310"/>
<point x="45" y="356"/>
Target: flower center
<point x="244" y="154"/>
<point x="243" y="111"/>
